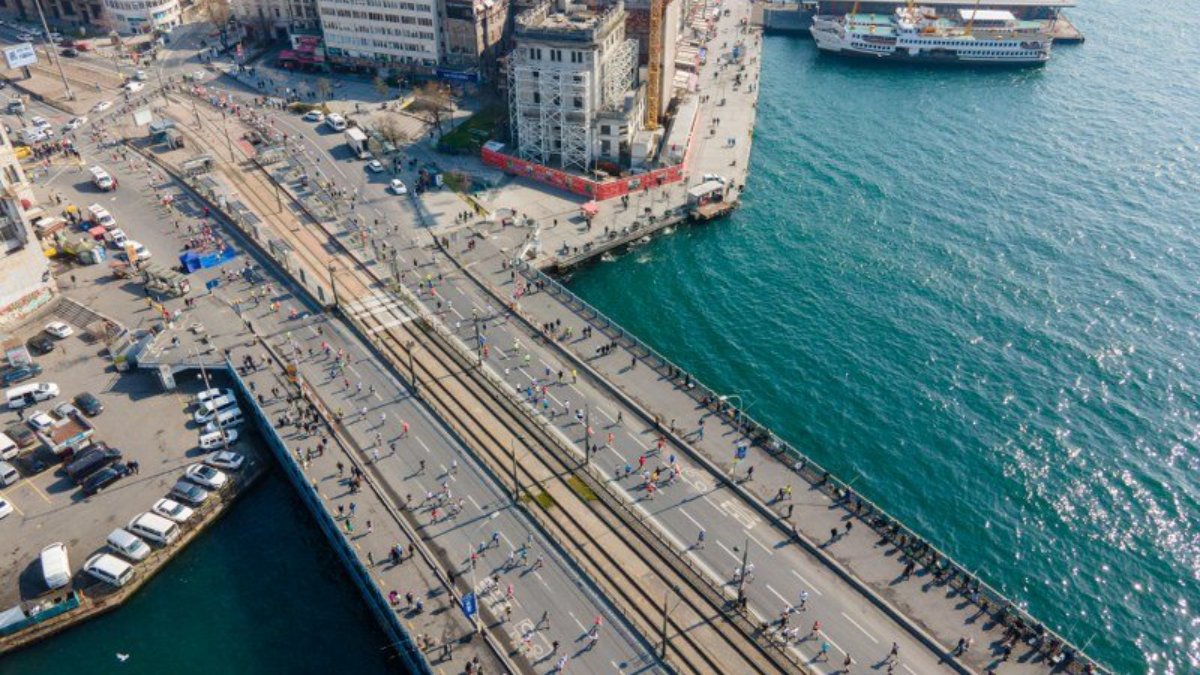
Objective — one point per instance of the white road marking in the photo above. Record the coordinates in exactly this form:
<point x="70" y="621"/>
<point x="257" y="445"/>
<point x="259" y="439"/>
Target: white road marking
<point x="781" y="598"/>
<point x="807" y="583"/>
<point x="864" y="630"/>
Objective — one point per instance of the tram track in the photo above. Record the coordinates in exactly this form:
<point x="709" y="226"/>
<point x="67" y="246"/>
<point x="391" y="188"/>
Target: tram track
<point x="627" y="559"/>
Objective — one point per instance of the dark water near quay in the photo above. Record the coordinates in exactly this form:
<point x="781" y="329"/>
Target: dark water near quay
<point x="976" y="292"/>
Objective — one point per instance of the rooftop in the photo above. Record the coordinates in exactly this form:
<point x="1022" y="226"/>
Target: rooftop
<point x="576" y="24"/>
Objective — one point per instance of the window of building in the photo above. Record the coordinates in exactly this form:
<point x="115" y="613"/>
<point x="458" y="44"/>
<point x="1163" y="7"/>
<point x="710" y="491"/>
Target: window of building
<point x="605" y="129"/>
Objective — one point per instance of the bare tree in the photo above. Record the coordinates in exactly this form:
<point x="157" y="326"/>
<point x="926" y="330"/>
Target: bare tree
<point x="434" y="97"/>
<point x="392" y="130"/>
<point x="324" y="89"/>
<point x="217" y="12"/>
<point x="381" y="87"/>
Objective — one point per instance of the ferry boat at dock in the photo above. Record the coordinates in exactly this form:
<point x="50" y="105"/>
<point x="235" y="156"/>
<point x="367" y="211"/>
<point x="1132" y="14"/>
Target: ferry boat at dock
<point x="921" y="35"/>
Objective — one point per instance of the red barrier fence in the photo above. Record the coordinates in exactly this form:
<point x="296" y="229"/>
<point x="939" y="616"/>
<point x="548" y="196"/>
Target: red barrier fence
<point x="593" y="189"/>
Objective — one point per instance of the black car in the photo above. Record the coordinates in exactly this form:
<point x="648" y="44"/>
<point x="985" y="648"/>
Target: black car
<point x="70" y="51"/>
<point x="90" y="405"/>
<point x="40" y="344"/>
<point x="103" y="478"/>
<point x="21" y="373"/>
<point x="21" y="434"/>
<point x="88" y="462"/>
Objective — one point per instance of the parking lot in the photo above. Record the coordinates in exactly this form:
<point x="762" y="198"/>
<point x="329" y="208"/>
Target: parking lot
<point x="149" y="426"/>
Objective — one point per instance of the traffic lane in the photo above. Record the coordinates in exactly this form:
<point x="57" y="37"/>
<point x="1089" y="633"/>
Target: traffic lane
<point x="547" y="585"/>
<point x="731" y="525"/>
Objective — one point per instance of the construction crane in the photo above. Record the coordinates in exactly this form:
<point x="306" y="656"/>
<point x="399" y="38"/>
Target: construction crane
<point x="654" y="66"/>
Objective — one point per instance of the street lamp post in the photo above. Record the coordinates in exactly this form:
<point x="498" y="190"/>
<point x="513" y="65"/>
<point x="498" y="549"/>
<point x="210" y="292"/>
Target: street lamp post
<point x="666" y="640"/>
<point x="516" y="481"/>
<point x="412" y="373"/>
<point x="741" y="596"/>
<point x="50" y="47"/>
<point x="333" y="287"/>
<point x="587" y="435"/>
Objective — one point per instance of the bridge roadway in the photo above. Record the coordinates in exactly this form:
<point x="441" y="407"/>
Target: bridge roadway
<point x="850" y="624"/>
<point x="557" y="586"/>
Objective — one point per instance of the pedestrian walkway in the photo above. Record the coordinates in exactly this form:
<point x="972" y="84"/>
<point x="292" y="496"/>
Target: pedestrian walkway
<point x="626" y="391"/>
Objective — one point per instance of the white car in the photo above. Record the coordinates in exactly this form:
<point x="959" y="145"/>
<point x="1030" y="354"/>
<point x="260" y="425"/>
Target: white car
<point x="75" y="123"/>
<point x="206" y="476"/>
<point x="314" y="116"/>
<point x="227" y="460"/>
<point x="399" y="187"/>
<point x="39" y="122"/>
<point x="118" y="237"/>
<point x="141" y="251"/>
<point x="133" y="86"/>
<point x="375" y="166"/>
<point x="215" y="440"/>
<point x="59" y="329"/>
<point x="41" y="421"/>
<point x="172" y="510"/>
<point x="209" y="394"/>
<point x="102" y="106"/>
<point x="6" y="508"/>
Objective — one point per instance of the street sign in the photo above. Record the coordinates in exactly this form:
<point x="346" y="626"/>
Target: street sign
<point x="469" y="605"/>
<point x="20" y="55"/>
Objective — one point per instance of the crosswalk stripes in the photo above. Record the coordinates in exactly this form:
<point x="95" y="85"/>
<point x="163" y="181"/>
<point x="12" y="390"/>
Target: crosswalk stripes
<point x="383" y="307"/>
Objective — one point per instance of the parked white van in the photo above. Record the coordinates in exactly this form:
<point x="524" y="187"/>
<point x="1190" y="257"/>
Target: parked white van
<point x="213" y="441"/>
<point x="102" y="180"/>
<point x="8" y="448"/>
<point x="28" y="394"/>
<point x="155" y="528"/>
<point x="128" y="544"/>
<point x="56" y="568"/>
<point x="224" y="419"/>
<point x="8" y="474"/>
<point x="101" y="216"/>
<point x="109" y="568"/>
<point x="213" y="407"/>
<point x="336" y="122"/>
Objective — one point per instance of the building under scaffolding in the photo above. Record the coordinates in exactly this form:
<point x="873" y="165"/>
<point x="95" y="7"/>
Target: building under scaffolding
<point x="573" y="91"/>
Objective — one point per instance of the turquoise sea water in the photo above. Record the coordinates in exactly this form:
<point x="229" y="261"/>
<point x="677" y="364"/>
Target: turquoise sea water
<point x="977" y="292"/>
<point x="260" y="592"/>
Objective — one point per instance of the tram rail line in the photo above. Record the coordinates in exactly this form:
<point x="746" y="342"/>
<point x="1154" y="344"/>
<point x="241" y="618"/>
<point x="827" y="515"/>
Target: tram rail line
<point x="452" y="385"/>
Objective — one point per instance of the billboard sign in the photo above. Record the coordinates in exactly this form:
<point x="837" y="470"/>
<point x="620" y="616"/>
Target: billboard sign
<point x="19" y="56"/>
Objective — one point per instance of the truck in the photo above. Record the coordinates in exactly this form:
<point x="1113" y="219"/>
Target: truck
<point x="357" y="140"/>
<point x="69" y="433"/>
<point x="165" y="281"/>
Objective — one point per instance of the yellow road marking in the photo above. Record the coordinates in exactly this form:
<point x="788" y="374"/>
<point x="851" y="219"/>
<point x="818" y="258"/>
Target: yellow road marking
<point x="12" y="504"/>
<point x="37" y="489"/>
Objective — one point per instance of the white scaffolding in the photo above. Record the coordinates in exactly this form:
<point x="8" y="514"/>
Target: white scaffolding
<point x="548" y="125"/>
<point x="619" y="73"/>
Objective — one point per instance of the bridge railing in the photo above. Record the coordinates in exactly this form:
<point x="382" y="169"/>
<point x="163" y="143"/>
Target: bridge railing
<point x="914" y="546"/>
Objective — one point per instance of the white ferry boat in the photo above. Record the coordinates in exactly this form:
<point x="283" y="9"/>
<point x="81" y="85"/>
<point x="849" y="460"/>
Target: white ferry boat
<point x="920" y="35"/>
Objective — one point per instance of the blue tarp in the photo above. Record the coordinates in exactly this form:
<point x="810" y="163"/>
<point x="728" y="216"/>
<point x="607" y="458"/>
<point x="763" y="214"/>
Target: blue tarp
<point x="193" y="261"/>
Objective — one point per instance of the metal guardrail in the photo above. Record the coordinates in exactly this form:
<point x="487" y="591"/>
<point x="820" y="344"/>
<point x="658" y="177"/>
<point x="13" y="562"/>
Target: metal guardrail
<point x="941" y="566"/>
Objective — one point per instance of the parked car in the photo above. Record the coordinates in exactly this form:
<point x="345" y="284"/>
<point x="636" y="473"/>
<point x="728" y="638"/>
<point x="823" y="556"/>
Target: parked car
<point x="253" y="137"/>
<point x="206" y="476"/>
<point x="21" y="434"/>
<point x="189" y="492"/>
<point x="172" y="510"/>
<point x="225" y="459"/>
<point x="67" y="409"/>
<point x="375" y="166"/>
<point x="314" y="116"/>
<point x="104" y="478"/>
<point x="134" y="86"/>
<point x="59" y="329"/>
<point x="90" y="461"/>
<point x="75" y="122"/>
<point x="128" y="544"/>
<point x="216" y="440"/>
<point x="40" y="421"/>
<point x="89" y="404"/>
<point x="40" y="344"/>
<point x="102" y="106"/>
<point x="21" y="373"/>
<point x="70" y="52"/>
<point x="398" y="187"/>
<point x="209" y="394"/>
<point x="6" y="508"/>
<point x="109" y="568"/>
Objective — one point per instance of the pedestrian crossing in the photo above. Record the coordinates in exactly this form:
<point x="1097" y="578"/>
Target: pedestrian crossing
<point x="383" y="307"/>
